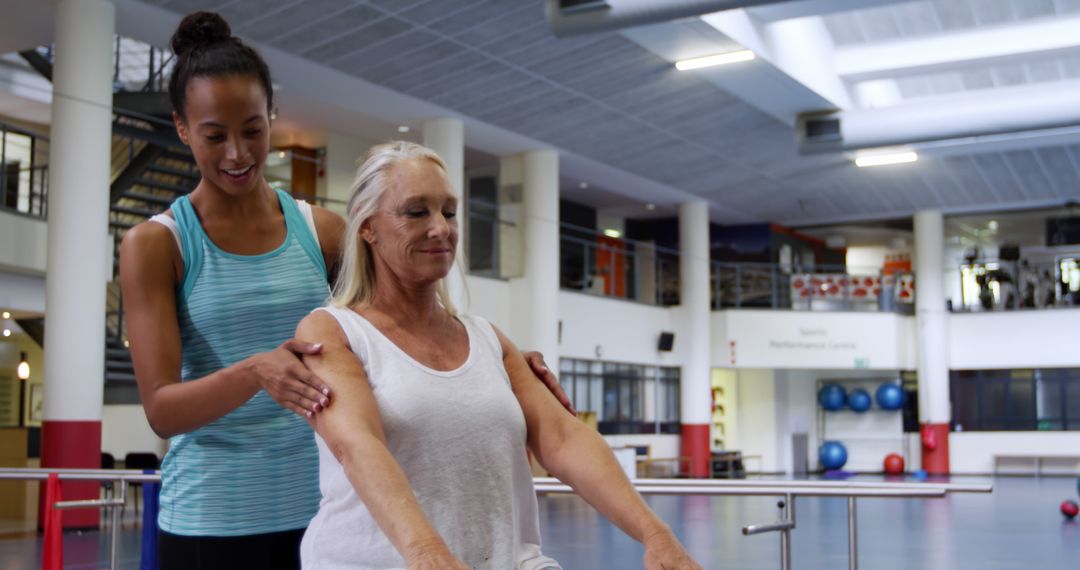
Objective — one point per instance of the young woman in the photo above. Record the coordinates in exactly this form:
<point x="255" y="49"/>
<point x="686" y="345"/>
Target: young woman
<point x="422" y="455"/>
<point x="213" y="290"/>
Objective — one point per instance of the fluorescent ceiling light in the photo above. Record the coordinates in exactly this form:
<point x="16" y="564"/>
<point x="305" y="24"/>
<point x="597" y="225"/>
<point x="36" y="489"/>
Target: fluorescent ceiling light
<point x="612" y="233"/>
<point x="885" y="159"/>
<point x="711" y="60"/>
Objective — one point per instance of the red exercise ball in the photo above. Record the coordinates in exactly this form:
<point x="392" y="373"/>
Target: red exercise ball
<point x="894" y="464"/>
<point x="1070" y="509"/>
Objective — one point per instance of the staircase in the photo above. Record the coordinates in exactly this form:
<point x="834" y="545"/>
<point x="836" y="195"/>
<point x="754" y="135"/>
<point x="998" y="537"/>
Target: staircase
<point x="150" y="169"/>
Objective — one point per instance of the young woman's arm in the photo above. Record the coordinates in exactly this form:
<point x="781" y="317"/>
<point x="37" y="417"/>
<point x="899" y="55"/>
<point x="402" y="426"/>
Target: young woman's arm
<point x="149" y="260"/>
<point x="353" y="431"/>
<point x="582" y="459"/>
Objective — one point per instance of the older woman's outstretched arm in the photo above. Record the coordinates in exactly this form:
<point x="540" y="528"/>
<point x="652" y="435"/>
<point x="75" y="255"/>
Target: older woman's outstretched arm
<point x="352" y="429"/>
<point x="578" y="456"/>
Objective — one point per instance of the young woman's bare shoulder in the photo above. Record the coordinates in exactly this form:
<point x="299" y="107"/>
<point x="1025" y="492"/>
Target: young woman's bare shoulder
<point x="150" y="244"/>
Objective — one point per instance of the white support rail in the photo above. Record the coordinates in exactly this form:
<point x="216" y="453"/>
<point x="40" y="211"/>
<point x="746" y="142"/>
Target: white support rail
<point x="786" y="490"/>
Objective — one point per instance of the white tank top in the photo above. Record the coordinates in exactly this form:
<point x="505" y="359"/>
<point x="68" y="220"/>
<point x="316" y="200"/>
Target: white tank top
<point x="459" y="436"/>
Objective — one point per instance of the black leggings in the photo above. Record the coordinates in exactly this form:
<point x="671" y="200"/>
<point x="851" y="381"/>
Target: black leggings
<point x="270" y="551"/>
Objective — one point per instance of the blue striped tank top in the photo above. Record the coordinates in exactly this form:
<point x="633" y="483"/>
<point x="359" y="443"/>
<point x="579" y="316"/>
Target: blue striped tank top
<point x="255" y="470"/>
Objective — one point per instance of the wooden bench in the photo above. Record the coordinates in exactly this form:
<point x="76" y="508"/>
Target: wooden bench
<point x="1037" y="458"/>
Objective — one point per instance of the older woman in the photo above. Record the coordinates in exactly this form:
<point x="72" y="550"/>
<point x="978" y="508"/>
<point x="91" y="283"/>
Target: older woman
<point x="422" y="454"/>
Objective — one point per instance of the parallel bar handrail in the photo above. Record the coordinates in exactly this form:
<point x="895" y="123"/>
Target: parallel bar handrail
<point x="788" y="490"/>
<point x="925" y="493"/>
<point x="116" y="475"/>
<point x="761" y="528"/>
<point x="783" y="485"/>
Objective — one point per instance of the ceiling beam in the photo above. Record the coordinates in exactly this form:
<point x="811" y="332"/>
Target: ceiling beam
<point x="790" y="75"/>
<point x="567" y="18"/>
<point x="958" y="50"/>
<point x="804" y="8"/>
<point x="1020" y="109"/>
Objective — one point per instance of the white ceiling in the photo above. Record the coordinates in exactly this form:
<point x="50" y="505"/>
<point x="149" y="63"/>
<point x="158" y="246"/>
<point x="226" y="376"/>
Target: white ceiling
<point x="633" y="126"/>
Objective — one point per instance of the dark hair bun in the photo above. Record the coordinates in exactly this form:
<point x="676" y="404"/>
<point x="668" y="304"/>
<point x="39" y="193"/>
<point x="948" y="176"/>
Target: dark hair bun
<point x="199" y="29"/>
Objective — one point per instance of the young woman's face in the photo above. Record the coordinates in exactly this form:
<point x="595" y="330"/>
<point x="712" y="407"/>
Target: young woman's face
<point x="414" y="233"/>
<point x="228" y="130"/>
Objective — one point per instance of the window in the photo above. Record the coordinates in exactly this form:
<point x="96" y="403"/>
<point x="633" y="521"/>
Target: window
<point x="627" y="398"/>
<point x="1016" y="400"/>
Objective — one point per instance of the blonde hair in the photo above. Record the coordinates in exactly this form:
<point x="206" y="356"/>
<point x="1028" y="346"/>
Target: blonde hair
<point x="355" y="282"/>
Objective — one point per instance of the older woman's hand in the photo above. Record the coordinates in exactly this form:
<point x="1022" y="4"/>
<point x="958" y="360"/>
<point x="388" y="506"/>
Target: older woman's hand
<point x="664" y="552"/>
<point x="540" y="368"/>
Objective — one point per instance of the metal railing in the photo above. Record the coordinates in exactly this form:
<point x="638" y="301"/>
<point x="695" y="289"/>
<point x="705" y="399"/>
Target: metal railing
<point x="24" y="172"/>
<point x="787" y="490"/>
<point x="140" y="67"/>
<point x="999" y="285"/>
<point x="752" y="285"/>
<point x="115" y="476"/>
<point x="594" y="263"/>
<point x="485" y="240"/>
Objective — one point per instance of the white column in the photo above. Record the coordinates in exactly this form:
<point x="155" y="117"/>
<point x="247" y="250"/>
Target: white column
<point x="535" y="297"/>
<point x="79" y="246"/>
<point x="931" y="319"/>
<point x="447" y="138"/>
<point x="695" y="391"/>
<point x="79" y="263"/>
<point x="933" y="361"/>
<point x="344" y="153"/>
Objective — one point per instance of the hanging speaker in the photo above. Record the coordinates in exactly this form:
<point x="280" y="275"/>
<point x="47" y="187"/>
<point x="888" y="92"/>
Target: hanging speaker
<point x="666" y="342"/>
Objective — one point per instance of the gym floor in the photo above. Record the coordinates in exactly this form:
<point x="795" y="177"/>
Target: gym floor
<point x="1016" y="527"/>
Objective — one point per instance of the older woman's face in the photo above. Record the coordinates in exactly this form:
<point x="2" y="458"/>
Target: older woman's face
<point x="414" y="232"/>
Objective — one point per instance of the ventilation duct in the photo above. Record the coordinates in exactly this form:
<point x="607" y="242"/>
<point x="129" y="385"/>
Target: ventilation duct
<point x="573" y="17"/>
<point x="974" y="114"/>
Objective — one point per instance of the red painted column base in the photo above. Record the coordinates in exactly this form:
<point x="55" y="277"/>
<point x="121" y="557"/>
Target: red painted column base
<point x="694" y="444"/>
<point x="72" y="445"/>
<point x="935" y="448"/>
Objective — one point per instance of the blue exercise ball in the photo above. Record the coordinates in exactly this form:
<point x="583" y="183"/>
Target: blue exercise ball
<point x="833" y="455"/>
<point x="859" y="400"/>
<point x="890" y="396"/>
<point x="832" y="397"/>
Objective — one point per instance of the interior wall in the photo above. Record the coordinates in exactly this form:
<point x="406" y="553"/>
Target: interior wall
<point x="343" y="156"/>
<point x="490" y="298"/>
<point x="758" y="418"/>
<point x="599" y="328"/>
<point x="125" y="429"/>
<point x="23" y="242"/>
<point x="1014" y="339"/>
<point x="868" y="436"/>
<point x="866" y="259"/>
<point x="973" y="452"/>
<point x="819" y="339"/>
